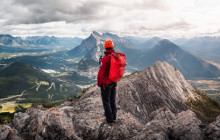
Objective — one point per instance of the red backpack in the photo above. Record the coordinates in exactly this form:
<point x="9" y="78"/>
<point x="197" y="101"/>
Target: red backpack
<point x="117" y="66"/>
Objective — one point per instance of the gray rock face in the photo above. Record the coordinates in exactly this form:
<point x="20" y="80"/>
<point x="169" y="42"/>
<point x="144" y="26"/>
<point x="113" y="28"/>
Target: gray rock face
<point x="89" y="45"/>
<point x="150" y="106"/>
<point x="153" y="88"/>
<point x="92" y="47"/>
<point x="80" y="120"/>
<point x="186" y="126"/>
<point x="7" y="133"/>
<point x="213" y="129"/>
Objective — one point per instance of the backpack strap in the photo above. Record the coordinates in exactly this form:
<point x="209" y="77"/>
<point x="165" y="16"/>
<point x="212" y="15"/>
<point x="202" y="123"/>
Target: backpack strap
<point x="108" y="64"/>
<point x="100" y="59"/>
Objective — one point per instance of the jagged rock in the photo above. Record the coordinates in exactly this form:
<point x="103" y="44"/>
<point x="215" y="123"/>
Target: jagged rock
<point x="150" y="106"/>
<point x="82" y="120"/>
<point x="165" y="115"/>
<point x="213" y="129"/>
<point x="182" y="126"/>
<point x="154" y="87"/>
<point x="7" y="133"/>
<point x="55" y="122"/>
<point x="155" y="130"/>
<point x="186" y="126"/>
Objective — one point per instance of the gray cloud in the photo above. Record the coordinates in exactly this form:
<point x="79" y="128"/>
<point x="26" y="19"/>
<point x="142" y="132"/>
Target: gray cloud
<point x="179" y="25"/>
<point x="147" y="5"/>
<point x="42" y="11"/>
<point x="131" y="17"/>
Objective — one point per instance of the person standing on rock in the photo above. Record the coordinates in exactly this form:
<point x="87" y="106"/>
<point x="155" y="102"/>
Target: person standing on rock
<point x="111" y="70"/>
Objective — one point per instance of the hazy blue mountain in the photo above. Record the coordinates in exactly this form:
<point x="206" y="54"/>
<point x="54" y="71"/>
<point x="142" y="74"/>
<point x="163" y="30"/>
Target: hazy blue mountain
<point x="179" y="41"/>
<point x="204" y="47"/>
<point x="190" y="65"/>
<point x="55" y="61"/>
<point x="136" y="40"/>
<point x="35" y="41"/>
<point x="33" y="84"/>
<point x="164" y="50"/>
<point x="88" y="45"/>
<point x="92" y="47"/>
<point x="54" y="41"/>
<point x="85" y="56"/>
<point x="8" y="40"/>
<point x="150" y="43"/>
<point x="6" y="49"/>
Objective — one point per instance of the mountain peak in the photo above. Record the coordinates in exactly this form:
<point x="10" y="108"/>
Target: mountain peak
<point x="17" y="68"/>
<point x="6" y="35"/>
<point x="156" y="38"/>
<point x="92" y="47"/>
<point x="165" y="43"/>
<point x="110" y="36"/>
<point x="151" y="105"/>
<point x="96" y="35"/>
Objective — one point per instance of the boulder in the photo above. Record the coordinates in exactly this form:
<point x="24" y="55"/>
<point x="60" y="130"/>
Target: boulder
<point x="7" y="133"/>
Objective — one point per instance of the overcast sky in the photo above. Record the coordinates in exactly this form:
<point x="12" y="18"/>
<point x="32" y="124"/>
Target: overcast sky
<point x="146" y="18"/>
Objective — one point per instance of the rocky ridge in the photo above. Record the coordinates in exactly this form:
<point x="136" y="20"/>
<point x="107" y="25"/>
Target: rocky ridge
<point x="151" y="105"/>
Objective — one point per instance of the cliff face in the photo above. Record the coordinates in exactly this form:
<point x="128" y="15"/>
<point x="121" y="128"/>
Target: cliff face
<point x="151" y="105"/>
<point x="154" y="87"/>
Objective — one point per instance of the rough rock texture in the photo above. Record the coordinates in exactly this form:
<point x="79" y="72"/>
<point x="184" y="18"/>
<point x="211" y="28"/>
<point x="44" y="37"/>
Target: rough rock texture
<point x="6" y="132"/>
<point x="150" y="106"/>
<point x="187" y="126"/>
<point x="213" y="129"/>
<point x="82" y="119"/>
<point x="154" y="87"/>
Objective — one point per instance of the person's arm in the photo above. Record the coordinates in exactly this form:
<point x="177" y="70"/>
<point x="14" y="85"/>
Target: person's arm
<point x="102" y="72"/>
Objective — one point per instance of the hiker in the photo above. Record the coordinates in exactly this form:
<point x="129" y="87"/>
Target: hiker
<point x="107" y="79"/>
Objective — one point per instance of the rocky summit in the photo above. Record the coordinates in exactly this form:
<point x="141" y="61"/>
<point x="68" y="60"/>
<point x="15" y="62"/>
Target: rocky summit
<point x="152" y="104"/>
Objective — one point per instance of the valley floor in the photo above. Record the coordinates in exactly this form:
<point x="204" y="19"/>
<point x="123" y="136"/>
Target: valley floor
<point x="209" y="86"/>
<point x="11" y="106"/>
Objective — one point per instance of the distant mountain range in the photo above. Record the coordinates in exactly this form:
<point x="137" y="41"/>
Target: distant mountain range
<point x="206" y="47"/>
<point x="157" y="50"/>
<point x="138" y="57"/>
<point x="92" y="48"/>
<point x="190" y="65"/>
<point x="32" y="41"/>
<point x="30" y="84"/>
<point x="149" y="43"/>
<point x="203" y="47"/>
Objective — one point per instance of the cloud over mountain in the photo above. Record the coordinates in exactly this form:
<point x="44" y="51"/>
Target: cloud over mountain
<point x="133" y="17"/>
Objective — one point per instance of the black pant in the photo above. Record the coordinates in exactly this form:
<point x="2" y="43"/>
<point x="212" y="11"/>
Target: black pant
<point x="108" y="100"/>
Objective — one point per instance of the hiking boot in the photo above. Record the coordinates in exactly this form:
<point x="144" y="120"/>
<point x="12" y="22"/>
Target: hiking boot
<point x="111" y="123"/>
